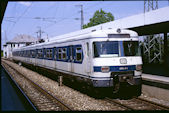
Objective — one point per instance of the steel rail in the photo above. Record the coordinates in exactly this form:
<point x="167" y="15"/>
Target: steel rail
<point x="153" y="103"/>
<point x="118" y="103"/>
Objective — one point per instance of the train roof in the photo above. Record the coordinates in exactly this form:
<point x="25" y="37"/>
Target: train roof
<point x="82" y="34"/>
<point x="92" y="33"/>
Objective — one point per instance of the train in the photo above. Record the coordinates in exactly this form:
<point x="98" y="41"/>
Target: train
<point x="98" y="58"/>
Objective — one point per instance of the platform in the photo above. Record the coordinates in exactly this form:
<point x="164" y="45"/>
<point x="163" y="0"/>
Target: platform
<point x="156" y="78"/>
<point x="10" y="101"/>
<point x="155" y="86"/>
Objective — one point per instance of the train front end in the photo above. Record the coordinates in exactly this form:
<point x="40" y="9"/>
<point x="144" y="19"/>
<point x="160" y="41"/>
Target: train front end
<point x="117" y="62"/>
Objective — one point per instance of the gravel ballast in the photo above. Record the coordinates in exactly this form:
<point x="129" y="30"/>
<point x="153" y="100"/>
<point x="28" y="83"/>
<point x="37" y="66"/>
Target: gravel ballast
<point x="71" y="97"/>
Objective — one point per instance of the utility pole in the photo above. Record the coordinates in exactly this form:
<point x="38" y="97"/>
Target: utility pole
<point x="40" y="33"/>
<point x="5" y="37"/>
<point x="82" y="18"/>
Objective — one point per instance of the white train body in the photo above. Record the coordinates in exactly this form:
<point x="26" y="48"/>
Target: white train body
<point x="94" y="57"/>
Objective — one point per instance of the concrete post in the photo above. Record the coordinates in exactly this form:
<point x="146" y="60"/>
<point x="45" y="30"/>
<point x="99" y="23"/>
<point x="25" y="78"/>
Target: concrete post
<point x="60" y="79"/>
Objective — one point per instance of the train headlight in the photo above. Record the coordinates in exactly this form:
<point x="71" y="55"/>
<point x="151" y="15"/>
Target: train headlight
<point x="138" y="67"/>
<point x="105" y="69"/>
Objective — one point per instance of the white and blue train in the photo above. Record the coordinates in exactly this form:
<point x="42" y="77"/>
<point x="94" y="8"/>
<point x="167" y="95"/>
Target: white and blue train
<point x="100" y="58"/>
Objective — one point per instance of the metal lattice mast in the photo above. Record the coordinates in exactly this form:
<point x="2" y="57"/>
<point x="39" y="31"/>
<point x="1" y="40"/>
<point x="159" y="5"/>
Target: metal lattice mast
<point x="149" y="5"/>
<point x="152" y="44"/>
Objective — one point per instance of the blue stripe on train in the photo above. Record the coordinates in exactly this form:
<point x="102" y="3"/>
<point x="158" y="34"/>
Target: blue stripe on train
<point x="116" y="68"/>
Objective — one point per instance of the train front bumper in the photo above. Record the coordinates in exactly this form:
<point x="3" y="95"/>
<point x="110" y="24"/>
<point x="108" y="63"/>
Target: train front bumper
<point x="130" y="79"/>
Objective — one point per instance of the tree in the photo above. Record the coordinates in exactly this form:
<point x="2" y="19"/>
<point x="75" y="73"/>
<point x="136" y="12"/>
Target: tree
<point x="99" y="18"/>
<point x="1" y="53"/>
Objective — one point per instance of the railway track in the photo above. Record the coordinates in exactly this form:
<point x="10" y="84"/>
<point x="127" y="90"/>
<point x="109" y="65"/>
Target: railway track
<point x="47" y="102"/>
<point x="41" y="99"/>
<point x="138" y="104"/>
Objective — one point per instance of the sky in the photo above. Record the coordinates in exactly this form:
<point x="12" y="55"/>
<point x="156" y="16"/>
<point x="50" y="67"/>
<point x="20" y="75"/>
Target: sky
<point x="58" y="17"/>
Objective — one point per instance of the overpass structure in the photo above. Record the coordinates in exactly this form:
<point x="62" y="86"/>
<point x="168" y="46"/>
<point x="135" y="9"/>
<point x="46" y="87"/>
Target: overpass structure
<point x="153" y="22"/>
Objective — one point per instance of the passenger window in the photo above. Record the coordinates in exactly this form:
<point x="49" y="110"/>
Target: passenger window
<point x="79" y="54"/>
<point x="64" y="53"/>
<point x="55" y="53"/>
<point x="59" y="54"/>
<point x="44" y="50"/>
<point x="39" y="54"/>
<point x="28" y="53"/>
<point x="87" y="44"/>
<point x="22" y="54"/>
<point x="47" y="53"/>
<point x="50" y="54"/>
<point x="33" y="53"/>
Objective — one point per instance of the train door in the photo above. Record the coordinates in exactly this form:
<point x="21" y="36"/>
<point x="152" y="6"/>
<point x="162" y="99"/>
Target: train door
<point x="88" y="59"/>
<point x="28" y="56"/>
<point x="71" y="58"/>
<point x="55" y="56"/>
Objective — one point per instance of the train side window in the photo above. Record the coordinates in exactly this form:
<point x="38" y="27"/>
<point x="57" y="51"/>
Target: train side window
<point x="28" y="53"/>
<point x="50" y="53"/>
<point x="33" y="53"/>
<point x="25" y="53"/>
<point x="87" y="44"/>
<point x="40" y="53"/>
<point x="64" y="51"/>
<point x="47" y="53"/>
<point x="21" y="53"/>
<point x="55" y="53"/>
<point x="44" y="52"/>
<point x="78" y="54"/>
<point x="60" y="54"/>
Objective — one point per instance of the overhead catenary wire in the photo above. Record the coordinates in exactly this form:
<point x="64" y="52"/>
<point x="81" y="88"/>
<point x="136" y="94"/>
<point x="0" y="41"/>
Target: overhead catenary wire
<point x="20" y="17"/>
<point x="44" y="18"/>
<point x="89" y="7"/>
<point x="61" y="20"/>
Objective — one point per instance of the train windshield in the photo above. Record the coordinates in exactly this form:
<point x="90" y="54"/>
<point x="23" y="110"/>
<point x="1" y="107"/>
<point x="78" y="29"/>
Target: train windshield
<point x="106" y="49"/>
<point x="116" y="48"/>
<point x="131" y="48"/>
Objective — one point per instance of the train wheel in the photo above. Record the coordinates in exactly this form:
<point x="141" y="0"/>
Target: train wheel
<point x="96" y="93"/>
<point x="138" y="90"/>
<point x="116" y="88"/>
